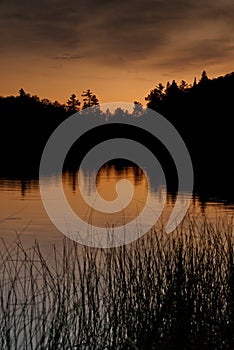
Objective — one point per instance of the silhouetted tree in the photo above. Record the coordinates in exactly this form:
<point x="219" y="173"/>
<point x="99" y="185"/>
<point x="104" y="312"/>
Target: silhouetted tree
<point x="89" y="99"/>
<point x="107" y="115"/>
<point x="120" y="113"/>
<point x="195" y="82"/>
<point x="155" y="97"/>
<point x="45" y="101"/>
<point x="22" y="93"/>
<point x="73" y="104"/>
<point x="204" y="77"/>
<point x="137" y="109"/>
<point x="56" y="104"/>
<point x="183" y="86"/>
<point x="172" y="90"/>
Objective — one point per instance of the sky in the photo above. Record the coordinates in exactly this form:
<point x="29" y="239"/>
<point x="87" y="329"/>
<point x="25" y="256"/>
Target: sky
<point x="118" y="49"/>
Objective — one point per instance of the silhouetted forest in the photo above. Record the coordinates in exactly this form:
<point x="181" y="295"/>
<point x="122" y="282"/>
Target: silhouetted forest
<point x="201" y="112"/>
<point x="26" y="124"/>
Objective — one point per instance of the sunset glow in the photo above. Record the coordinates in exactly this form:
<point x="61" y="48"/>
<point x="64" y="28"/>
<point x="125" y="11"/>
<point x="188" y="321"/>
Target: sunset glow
<point x="119" y="50"/>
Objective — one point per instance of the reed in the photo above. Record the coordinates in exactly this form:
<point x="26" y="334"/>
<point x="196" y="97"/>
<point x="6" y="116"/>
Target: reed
<point x="161" y="292"/>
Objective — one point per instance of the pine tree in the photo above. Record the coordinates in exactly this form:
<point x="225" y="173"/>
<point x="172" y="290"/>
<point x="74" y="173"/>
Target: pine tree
<point x="89" y="99"/>
<point x="73" y="104"/>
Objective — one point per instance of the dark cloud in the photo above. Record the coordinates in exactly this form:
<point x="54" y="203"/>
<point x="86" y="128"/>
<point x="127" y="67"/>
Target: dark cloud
<point x="120" y="32"/>
<point x="66" y="56"/>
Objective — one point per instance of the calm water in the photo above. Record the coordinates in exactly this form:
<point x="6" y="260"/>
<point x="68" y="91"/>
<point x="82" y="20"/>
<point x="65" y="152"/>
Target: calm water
<point x="22" y="211"/>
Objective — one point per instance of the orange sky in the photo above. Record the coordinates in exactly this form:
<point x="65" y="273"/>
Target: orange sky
<point x="120" y="50"/>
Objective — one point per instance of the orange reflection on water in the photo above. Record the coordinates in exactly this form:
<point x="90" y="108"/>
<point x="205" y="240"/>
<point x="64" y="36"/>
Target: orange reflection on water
<point x="106" y="181"/>
<point x="22" y="211"/>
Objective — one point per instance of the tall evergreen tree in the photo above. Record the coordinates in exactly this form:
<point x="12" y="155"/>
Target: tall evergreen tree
<point x="155" y="97"/>
<point x="73" y="104"/>
<point x="89" y="99"/>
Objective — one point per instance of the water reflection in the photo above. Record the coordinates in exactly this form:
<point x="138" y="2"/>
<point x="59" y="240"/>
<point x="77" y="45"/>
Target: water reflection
<point x="21" y="208"/>
<point x="105" y="184"/>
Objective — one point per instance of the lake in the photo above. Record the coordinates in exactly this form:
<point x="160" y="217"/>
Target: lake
<point x="42" y="285"/>
<point x="22" y="212"/>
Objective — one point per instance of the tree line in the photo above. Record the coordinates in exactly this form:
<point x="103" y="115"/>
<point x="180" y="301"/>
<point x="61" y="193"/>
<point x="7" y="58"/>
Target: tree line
<point x="202" y="112"/>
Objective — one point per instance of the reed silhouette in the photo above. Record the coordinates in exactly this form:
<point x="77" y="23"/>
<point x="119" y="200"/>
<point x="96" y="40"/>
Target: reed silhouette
<point x="161" y="292"/>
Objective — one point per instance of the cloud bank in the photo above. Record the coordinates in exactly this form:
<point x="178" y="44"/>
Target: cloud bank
<point x="137" y="33"/>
